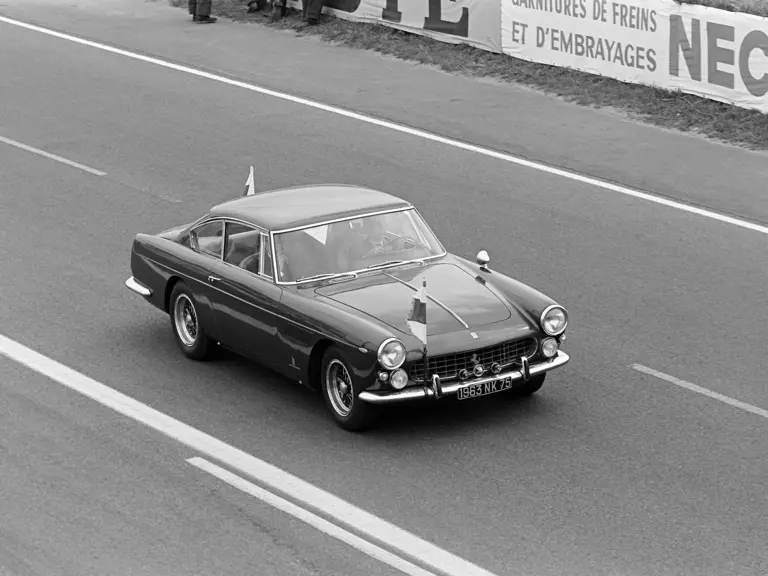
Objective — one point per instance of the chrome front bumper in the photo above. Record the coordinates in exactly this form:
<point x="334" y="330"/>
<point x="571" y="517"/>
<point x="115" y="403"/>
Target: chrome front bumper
<point x="426" y="391"/>
<point x="134" y="286"/>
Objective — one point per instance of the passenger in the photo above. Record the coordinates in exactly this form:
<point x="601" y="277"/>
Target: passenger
<point x="282" y="261"/>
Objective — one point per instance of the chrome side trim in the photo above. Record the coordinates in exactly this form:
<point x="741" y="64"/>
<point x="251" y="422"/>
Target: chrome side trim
<point x="435" y="300"/>
<point x="134" y="286"/>
<point x="418" y="393"/>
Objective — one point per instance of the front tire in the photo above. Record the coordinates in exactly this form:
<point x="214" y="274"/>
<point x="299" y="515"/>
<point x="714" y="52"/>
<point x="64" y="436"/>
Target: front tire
<point x="341" y="394"/>
<point x="532" y="386"/>
<point x="188" y="332"/>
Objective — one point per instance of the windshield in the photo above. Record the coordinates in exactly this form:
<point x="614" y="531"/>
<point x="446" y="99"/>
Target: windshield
<point x="354" y="245"/>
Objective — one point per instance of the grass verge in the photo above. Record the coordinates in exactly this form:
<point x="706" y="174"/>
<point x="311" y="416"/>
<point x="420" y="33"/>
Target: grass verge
<point x="673" y="110"/>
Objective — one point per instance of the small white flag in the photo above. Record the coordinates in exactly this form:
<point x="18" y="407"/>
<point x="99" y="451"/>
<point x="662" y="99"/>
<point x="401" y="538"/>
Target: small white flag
<point x="250" y="188"/>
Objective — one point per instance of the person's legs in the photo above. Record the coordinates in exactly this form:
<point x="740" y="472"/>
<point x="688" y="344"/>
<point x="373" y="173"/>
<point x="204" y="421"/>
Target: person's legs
<point x="202" y="12"/>
<point x="312" y="10"/>
<point x="203" y="8"/>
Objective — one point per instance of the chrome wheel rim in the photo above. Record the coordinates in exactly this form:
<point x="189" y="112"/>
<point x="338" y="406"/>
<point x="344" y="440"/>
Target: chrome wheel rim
<point x="338" y="383"/>
<point x="185" y="319"/>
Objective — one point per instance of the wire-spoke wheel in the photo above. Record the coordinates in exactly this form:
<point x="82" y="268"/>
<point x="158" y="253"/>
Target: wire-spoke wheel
<point x="340" y="395"/>
<point x="185" y="317"/>
<point x="185" y="320"/>
<point x="340" y="388"/>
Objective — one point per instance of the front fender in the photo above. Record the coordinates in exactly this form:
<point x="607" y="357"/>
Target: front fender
<point x="525" y="298"/>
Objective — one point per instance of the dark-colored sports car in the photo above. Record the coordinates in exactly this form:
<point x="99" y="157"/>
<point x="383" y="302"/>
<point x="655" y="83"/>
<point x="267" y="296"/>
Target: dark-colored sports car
<point x="344" y="289"/>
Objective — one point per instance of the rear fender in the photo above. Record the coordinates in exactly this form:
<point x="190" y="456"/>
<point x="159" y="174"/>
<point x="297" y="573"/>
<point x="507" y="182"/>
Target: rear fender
<point x="158" y="263"/>
<point x="146" y="270"/>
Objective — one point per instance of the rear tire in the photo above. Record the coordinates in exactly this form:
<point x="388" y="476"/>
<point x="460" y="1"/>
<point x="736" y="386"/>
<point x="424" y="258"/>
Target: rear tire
<point x="341" y="394"/>
<point x="188" y="332"/>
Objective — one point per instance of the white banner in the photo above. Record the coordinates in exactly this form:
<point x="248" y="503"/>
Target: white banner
<point x="474" y="22"/>
<point x="712" y="53"/>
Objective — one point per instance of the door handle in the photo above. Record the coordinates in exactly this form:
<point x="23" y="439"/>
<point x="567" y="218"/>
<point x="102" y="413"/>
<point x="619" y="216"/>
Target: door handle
<point x="213" y="279"/>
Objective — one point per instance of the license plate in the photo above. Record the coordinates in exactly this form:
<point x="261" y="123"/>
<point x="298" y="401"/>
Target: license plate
<point x="484" y="389"/>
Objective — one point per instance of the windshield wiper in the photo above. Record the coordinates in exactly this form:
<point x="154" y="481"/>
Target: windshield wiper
<point x="419" y="261"/>
<point x="387" y="263"/>
<point x="330" y="275"/>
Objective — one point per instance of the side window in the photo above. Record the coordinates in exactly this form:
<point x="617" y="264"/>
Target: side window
<point x="208" y="238"/>
<point x="267" y="254"/>
<point x="243" y="247"/>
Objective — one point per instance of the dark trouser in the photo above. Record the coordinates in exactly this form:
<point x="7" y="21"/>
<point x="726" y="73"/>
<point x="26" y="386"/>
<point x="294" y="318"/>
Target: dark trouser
<point x="200" y="7"/>
<point x="312" y="9"/>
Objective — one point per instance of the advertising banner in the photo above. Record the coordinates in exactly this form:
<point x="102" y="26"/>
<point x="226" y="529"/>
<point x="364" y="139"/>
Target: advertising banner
<point x="704" y="51"/>
<point x="474" y="22"/>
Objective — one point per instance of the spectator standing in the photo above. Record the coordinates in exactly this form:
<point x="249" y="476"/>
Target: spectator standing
<point x="312" y="10"/>
<point x="201" y="11"/>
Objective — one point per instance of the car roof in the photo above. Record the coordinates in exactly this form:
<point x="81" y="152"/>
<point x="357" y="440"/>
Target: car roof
<point x="299" y="206"/>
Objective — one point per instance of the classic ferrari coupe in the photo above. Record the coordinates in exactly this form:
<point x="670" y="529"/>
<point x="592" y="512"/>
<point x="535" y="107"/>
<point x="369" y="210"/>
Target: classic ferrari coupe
<point x="347" y="290"/>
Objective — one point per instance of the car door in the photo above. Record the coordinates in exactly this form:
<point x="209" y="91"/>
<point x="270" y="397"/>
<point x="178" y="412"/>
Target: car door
<point x="205" y="244"/>
<point x="247" y="298"/>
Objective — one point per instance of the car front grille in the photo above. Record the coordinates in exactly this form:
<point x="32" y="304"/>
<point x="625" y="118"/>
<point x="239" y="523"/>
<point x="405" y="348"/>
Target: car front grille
<point x="448" y="366"/>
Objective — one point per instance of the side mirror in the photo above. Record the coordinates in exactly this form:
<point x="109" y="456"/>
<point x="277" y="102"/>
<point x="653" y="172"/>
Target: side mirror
<point x="483" y="259"/>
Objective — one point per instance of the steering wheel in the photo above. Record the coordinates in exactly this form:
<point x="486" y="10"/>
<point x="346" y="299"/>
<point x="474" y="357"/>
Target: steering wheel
<point x="384" y="244"/>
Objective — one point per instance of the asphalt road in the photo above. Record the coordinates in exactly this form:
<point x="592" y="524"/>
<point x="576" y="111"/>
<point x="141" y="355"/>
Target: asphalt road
<point x="88" y="493"/>
<point x="607" y="472"/>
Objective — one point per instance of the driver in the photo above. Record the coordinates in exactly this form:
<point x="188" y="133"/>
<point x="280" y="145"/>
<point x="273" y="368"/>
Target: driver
<point x="367" y="239"/>
<point x="374" y="237"/>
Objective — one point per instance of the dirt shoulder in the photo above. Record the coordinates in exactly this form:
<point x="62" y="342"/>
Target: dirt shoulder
<point x="756" y="7"/>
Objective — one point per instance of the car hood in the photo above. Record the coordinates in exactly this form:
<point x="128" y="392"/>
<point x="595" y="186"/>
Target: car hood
<point x="388" y="295"/>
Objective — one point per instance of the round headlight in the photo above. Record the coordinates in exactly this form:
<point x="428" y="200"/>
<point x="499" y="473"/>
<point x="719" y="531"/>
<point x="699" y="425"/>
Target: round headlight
<point x="391" y="354"/>
<point x="398" y="379"/>
<point x="554" y="320"/>
<point x="549" y="347"/>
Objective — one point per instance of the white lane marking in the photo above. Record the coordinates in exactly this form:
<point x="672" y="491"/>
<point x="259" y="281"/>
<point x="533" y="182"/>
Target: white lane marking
<point x="279" y="480"/>
<point x="312" y="519"/>
<point x="51" y="156"/>
<point x="407" y="130"/>
<point x="700" y="390"/>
